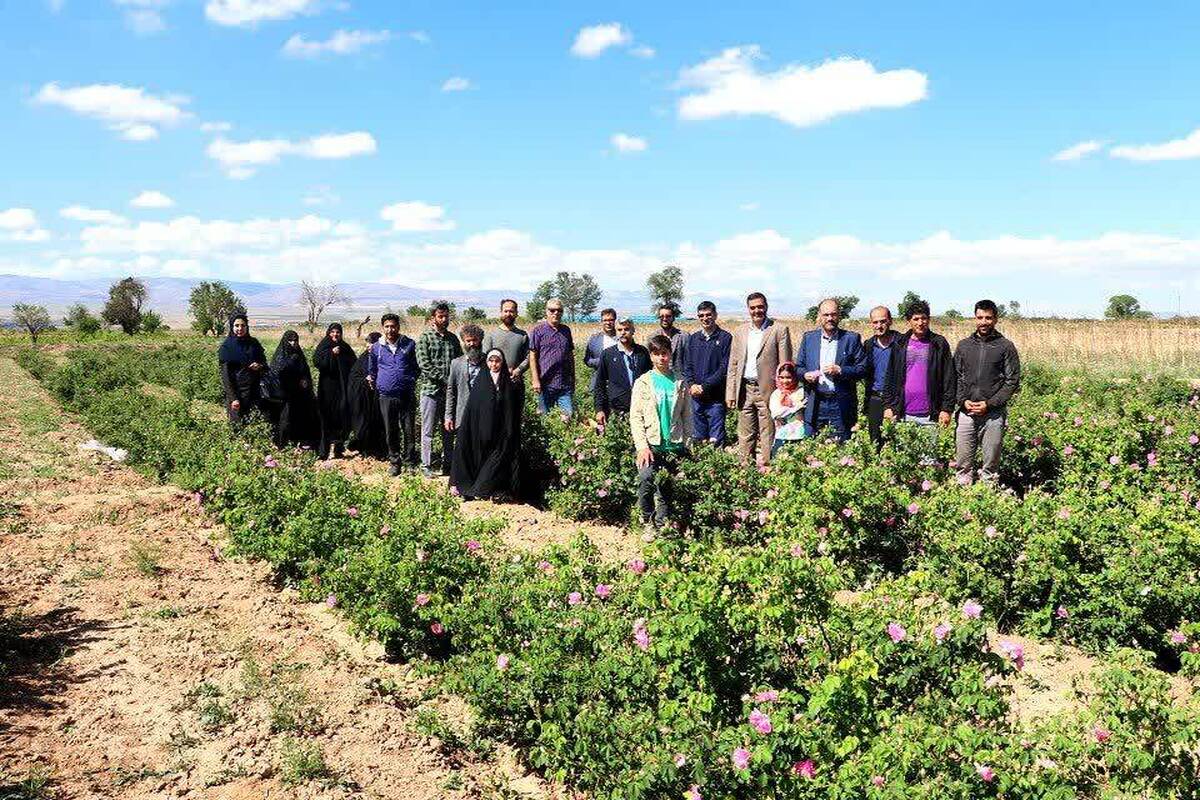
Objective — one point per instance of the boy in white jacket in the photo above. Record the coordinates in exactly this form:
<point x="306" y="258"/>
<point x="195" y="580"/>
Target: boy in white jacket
<point x="660" y="421"/>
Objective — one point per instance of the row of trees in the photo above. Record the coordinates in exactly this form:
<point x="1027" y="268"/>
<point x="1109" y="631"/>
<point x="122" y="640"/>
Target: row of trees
<point x="124" y="309"/>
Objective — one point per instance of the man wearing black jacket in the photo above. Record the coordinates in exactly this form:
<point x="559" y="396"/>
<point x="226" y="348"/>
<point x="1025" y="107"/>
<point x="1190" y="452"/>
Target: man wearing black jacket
<point x="620" y="365"/>
<point x="921" y="384"/>
<point x="989" y="373"/>
<point x="705" y="373"/>
<point x="879" y="353"/>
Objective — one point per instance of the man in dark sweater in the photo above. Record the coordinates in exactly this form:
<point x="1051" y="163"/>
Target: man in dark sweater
<point x="989" y="373"/>
<point x="920" y="387"/>
<point x="619" y="367"/>
<point x="705" y="370"/>
<point x="879" y="355"/>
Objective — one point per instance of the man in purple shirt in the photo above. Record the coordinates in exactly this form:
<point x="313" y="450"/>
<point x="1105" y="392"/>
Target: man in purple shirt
<point x="392" y="371"/>
<point x="552" y="361"/>
<point x="921" y="382"/>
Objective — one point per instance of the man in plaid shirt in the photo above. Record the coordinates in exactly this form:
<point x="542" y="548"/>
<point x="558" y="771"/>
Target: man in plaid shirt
<point x="436" y="348"/>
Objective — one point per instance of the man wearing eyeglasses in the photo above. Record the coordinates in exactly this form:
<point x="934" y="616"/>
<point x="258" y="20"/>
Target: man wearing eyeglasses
<point x="552" y="361"/>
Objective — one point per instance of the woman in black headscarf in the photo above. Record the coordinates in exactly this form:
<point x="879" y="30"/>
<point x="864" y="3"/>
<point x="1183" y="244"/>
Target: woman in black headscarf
<point x="242" y="362"/>
<point x="334" y="360"/>
<point x="297" y="418"/>
<point x="366" y="421"/>
<point x="488" y="446"/>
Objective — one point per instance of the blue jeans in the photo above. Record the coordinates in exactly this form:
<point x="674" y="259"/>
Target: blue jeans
<point x="708" y="421"/>
<point x="828" y="417"/>
<point x="563" y="398"/>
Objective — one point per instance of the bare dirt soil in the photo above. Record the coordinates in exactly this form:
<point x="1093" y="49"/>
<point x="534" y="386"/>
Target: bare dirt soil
<point x="137" y="662"/>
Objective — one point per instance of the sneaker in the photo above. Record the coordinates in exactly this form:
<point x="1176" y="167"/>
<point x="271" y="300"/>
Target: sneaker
<point x="426" y="471"/>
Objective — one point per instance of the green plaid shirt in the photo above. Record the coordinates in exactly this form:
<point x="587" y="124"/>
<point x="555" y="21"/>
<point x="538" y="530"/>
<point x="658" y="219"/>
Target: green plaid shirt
<point x="435" y="351"/>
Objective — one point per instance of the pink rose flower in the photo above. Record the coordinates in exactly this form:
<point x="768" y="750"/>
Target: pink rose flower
<point x="1177" y="637"/>
<point x="768" y="696"/>
<point x="385" y="530"/>
<point x="602" y="493"/>
<point x="270" y="461"/>
<point x="680" y="759"/>
<point x="420" y="554"/>
<point x="1101" y="735"/>
<point x="847" y="513"/>
<point x="641" y="636"/>
<point x="603" y="590"/>
<point x="805" y="769"/>
<point x="763" y="516"/>
<point x="760" y="721"/>
<point x="574" y="598"/>
<point x="878" y="781"/>
<point x="436" y="629"/>
<point x="353" y="512"/>
<point x="472" y="545"/>
<point x="1015" y="653"/>
<point x="422" y="599"/>
<point x="1064" y="513"/>
<point x="331" y="601"/>
<point x="1061" y="612"/>
<point x="913" y="508"/>
<point x="985" y="772"/>
<point x="1194" y="439"/>
<point x="896" y="631"/>
<point x="971" y="609"/>
<point x="636" y="566"/>
<point x="1068" y="450"/>
<point x="941" y="632"/>
<point x="926" y="485"/>
<point x="545" y="566"/>
<point x="740" y="758"/>
<point x="502" y="662"/>
<point x="693" y="793"/>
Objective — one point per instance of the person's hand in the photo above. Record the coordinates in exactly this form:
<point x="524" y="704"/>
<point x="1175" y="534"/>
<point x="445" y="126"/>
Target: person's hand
<point x="645" y="458"/>
<point x="889" y="414"/>
<point x="236" y="405"/>
<point x="696" y="390"/>
<point x="514" y="373"/>
<point x="303" y="383"/>
<point x="943" y="418"/>
<point x="255" y="366"/>
<point x="537" y="387"/>
<point x="833" y="370"/>
<point x="336" y="350"/>
<point x="813" y="375"/>
<point x="370" y="382"/>
<point x="601" y="417"/>
<point x="450" y="425"/>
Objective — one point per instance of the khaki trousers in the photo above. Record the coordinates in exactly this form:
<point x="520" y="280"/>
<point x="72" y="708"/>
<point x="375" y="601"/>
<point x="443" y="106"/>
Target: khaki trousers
<point x="756" y="429"/>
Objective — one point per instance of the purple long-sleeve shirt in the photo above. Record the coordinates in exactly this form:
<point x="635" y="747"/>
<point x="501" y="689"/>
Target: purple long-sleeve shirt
<point x="394" y="372"/>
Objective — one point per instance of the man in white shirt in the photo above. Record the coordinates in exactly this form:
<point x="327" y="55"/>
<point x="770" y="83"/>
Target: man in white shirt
<point x="759" y="347"/>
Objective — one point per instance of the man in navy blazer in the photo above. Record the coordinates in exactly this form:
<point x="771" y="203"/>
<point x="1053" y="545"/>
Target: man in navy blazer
<point x="620" y="365"/>
<point x="832" y="361"/>
<point x="600" y="341"/>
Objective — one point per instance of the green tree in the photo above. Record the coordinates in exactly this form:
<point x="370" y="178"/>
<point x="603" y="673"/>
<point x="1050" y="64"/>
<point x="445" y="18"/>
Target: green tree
<point x="580" y="294"/>
<point x="535" y="309"/>
<point x="666" y="287"/>
<point x="1014" y="309"/>
<point x="152" y="322"/>
<point x="124" y="306"/>
<point x="417" y="310"/>
<point x="1125" y="306"/>
<point x="34" y="319"/>
<point x="211" y="304"/>
<point x="846" y="303"/>
<point x="952" y="313"/>
<point x="82" y="321"/>
<point x="910" y="297"/>
<point x="474" y="314"/>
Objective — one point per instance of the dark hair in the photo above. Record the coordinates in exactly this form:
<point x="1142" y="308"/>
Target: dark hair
<point x="669" y="307"/>
<point x="787" y="367"/>
<point x="916" y="307"/>
<point x="509" y="300"/>
<point x="472" y="330"/>
<point x="708" y="305"/>
<point x="987" y="305"/>
<point x="660" y="344"/>
<point x="389" y="316"/>
<point x="755" y="296"/>
<point x="374" y="336"/>
<point x="606" y="311"/>
<point x="436" y="307"/>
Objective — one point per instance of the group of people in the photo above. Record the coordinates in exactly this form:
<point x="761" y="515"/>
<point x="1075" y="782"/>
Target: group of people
<point x="674" y="391"/>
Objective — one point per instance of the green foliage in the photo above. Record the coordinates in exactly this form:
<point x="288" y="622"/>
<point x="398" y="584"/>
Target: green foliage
<point x="1125" y="306"/>
<point x="665" y="287"/>
<point x="301" y="761"/>
<point x="124" y="306"/>
<point x="474" y="314"/>
<point x="846" y="302"/>
<point x="535" y="309"/>
<point x="152" y="322"/>
<point x="82" y="321"/>
<point x="32" y="318"/>
<point x="909" y="298"/>
<point x="211" y="304"/>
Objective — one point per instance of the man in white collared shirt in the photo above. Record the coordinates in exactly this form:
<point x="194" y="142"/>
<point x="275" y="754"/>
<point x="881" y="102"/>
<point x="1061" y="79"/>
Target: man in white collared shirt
<point x="759" y="347"/>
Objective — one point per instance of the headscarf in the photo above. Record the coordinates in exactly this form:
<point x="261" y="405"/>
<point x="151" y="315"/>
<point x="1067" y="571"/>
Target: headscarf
<point x="500" y="374"/>
<point x="289" y="361"/>
<point x="345" y="357"/>
<point x="240" y="350"/>
<point x="786" y="394"/>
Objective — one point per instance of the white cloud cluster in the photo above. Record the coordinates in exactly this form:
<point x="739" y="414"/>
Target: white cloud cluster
<point x="21" y="225"/>
<point x="341" y="43"/>
<point x="130" y="110"/>
<point x="731" y="85"/>
<point x="456" y="84"/>
<point x="1175" y="150"/>
<point x="1077" y="151"/>
<point x="248" y="13"/>
<point x="240" y="160"/>
<point x="624" y="143"/>
<point x="592" y="41"/>
<point x="192" y="236"/>
<point x="144" y="17"/>
<point x="415" y="216"/>
<point x="85" y="214"/>
<point x="151" y="198"/>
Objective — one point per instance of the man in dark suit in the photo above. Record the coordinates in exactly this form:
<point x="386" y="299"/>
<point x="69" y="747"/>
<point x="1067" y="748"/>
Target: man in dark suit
<point x="600" y="341"/>
<point x="832" y="361"/>
<point x="620" y="365"/>
<point x="879" y="352"/>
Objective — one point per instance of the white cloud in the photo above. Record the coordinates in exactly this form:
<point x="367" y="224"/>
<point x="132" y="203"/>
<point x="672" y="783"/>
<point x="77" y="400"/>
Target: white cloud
<point x="1174" y="150"/>
<point x="420" y="37"/>
<point x="624" y="143"/>
<point x="130" y="110"/>
<point x="642" y="51"/>
<point x="191" y="236"/>
<point x="751" y="206"/>
<point x="21" y="225"/>
<point x="247" y="13"/>
<point x="798" y="94"/>
<point x="144" y="17"/>
<point x="414" y="216"/>
<point x="456" y="84"/>
<point x="321" y="196"/>
<point x="216" y="127"/>
<point x="1078" y="151"/>
<point x="151" y="198"/>
<point x="241" y="159"/>
<point x="85" y="214"/>
<point x="341" y="43"/>
<point x="593" y="40"/>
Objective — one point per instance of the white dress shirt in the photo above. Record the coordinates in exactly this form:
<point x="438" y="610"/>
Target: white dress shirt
<point x="828" y="356"/>
<point x="754" y="341"/>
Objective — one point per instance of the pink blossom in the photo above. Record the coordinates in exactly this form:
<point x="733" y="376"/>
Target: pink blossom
<point x="385" y="530"/>
<point x="847" y="513"/>
<point x="760" y="721"/>
<point x="602" y="493"/>
<point x="636" y="566"/>
<point x="991" y="532"/>
<point x="1114" y="460"/>
<point x="1061" y="612"/>
<point x="896" y="631"/>
<point x="768" y="696"/>
<point x="353" y="512"/>
<point x="270" y="461"/>
<point x="454" y="492"/>
<point x="985" y="772"/>
<point x="603" y="590"/>
<point x="740" y="758"/>
<point x="1078" y="421"/>
<point x="805" y="769"/>
<point x="763" y="516"/>
<point x="1177" y="637"/>
<point x="680" y="759"/>
<point x="941" y="632"/>
<point x="1101" y="735"/>
<point x="473" y="545"/>
<point x="772" y="493"/>
<point x="913" y="508"/>
<point x="1105" y="484"/>
<point x="963" y="480"/>
<point x="570" y="471"/>
<point x="641" y="636"/>
<point x="1064" y="513"/>
<point x="926" y="485"/>
<point x="1068" y="450"/>
<point x="420" y="555"/>
<point x="1194" y="439"/>
<point x="574" y="598"/>
<point x="545" y="566"/>
<point x="797" y="551"/>
<point x="971" y="609"/>
<point x="1168" y="429"/>
<point x="436" y="629"/>
<point x="1015" y="652"/>
<point x="331" y="601"/>
<point x="693" y="793"/>
<point x="502" y="662"/>
<point x="878" y="781"/>
<point x="422" y="599"/>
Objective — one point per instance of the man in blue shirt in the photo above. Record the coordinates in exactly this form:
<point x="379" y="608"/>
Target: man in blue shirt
<point x="392" y="371"/>
<point x="832" y="361"/>
<point x="705" y="368"/>
<point x="879" y="353"/>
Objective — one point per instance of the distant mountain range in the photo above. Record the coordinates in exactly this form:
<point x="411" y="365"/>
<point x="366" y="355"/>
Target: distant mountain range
<point x="271" y="302"/>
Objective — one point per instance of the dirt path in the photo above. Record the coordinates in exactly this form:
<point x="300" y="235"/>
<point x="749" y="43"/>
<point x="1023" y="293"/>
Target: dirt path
<point x="136" y="662"/>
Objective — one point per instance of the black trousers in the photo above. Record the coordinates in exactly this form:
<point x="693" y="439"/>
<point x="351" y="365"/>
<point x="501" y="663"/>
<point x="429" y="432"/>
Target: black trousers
<point x="875" y="417"/>
<point x="399" y="420"/>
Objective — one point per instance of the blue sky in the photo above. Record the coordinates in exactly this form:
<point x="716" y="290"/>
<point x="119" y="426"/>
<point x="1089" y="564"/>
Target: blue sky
<point x="798" y="148"/>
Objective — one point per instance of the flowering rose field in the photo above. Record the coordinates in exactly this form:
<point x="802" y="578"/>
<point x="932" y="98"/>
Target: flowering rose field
<point x="815" y="630"/>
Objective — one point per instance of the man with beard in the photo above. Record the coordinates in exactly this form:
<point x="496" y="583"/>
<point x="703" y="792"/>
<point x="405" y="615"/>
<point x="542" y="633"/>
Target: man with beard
<point x="667" y="313"/>
<point x="436" y="348"/>
<point x="392" y="371"/>
<point x="366" y="423"/>
<point x="600" y="341"/>
<point x="619" y="368"/>
<point x="463" y="372"/>
<point x="334" y="359"/>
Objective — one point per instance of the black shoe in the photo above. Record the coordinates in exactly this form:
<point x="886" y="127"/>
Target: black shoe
<point x="394" y="470"/>
<point x="339" y="450"/>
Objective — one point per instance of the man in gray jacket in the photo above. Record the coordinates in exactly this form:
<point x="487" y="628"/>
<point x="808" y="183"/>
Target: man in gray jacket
<point x="463" y="371"/>
<point x="989" y="373"/>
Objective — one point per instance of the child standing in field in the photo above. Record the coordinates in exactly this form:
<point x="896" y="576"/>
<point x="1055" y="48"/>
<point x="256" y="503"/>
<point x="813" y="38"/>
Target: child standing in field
<point x="786" y="405"/>
<point x="660" y="421"/>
